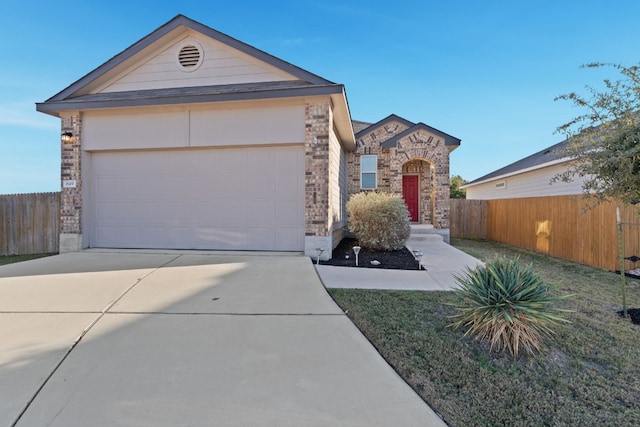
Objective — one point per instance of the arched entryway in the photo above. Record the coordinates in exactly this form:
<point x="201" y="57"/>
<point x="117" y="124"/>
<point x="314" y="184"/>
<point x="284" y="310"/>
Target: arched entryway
<point x="417" y="189"/>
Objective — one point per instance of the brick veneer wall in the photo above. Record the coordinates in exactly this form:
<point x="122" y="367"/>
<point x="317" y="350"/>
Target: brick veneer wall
<point x="370" y="144"/>
<point x="71" y="196"/>
<point x="421" y="146"/>
<point x="430" y="148"/>
<point x="318" y="119"/>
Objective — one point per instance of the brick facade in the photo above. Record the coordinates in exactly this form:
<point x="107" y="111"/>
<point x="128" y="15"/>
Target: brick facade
<point x="318" y="119"/>
<point x="432" y="155"/>
<point x="71" y="180"/>
<point x="419" y="153"/>
<point x="369" y="144"/>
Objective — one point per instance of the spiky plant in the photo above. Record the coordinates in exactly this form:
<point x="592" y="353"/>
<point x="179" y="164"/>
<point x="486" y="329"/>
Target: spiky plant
<point x="508" y="305"/>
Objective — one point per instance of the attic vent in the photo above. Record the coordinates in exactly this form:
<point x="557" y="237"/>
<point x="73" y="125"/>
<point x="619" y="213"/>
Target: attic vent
<point x="190" y="57"/>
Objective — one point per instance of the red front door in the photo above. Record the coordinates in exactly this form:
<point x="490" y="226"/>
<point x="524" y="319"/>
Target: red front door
<point x="410" y="191"/>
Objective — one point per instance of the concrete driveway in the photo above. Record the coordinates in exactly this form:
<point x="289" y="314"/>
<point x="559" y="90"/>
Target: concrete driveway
<point x="108" y="338"/>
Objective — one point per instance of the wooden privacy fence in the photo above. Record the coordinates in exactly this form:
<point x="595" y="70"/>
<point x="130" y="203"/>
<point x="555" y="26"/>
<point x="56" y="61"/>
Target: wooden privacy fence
<point x="29" y="223"/>
<point x="468" y="219"/>
<point x="559" y="226"/>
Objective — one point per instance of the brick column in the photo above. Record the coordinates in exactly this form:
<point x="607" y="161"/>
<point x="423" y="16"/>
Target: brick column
<point x="318" y="121"/>
<point x="442" y="203"/>
<point x="71" y="182"/>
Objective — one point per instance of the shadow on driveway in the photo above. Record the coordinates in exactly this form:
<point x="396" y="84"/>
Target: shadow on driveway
<point x="199" y="339"/>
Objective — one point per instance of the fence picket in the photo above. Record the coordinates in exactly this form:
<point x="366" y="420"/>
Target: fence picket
<point x="29" y="223"/>
<point x="560" y="226"/>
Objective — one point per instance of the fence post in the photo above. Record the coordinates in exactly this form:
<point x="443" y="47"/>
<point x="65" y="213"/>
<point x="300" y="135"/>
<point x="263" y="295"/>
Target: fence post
<point x="621" y="252"/>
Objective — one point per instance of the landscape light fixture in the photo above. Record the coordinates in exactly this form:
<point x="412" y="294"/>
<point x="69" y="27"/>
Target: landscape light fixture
<point x="418" y="256"/>
<point x="356" y="250"/>
<point x="67" y="138"/>
<point x="319" y="250"/>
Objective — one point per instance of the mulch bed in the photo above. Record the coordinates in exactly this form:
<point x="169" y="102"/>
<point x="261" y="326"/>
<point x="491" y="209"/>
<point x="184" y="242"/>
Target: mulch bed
<point x="634" y="314"/>
<point x="343" y="256"/>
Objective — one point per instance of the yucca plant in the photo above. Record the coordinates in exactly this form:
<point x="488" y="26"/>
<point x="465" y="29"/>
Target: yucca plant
<point x="507" y="304"/>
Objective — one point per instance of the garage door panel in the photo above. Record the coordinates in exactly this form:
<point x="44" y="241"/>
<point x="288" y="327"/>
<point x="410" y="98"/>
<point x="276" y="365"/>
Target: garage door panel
<point x="234" y="238"/>
<point x="288" y="159"/>
<point x="262" y="186"/>
<point x="288" y="213"/>
<point x="207" y="214"/>
<point x="121" y="236"/>
<point x="233" y="213"/>
<point x="285" y="187"/>
<point x="286" y="237"/>
<point x="262" y="238"/>
<point x="261" y="161"/>
<point x="241" y="198"/>
<point x="261" y="212"/>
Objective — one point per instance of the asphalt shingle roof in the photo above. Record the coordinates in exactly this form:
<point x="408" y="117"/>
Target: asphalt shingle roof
<point x="549" y="154"/>
<point x="192" y="94"/>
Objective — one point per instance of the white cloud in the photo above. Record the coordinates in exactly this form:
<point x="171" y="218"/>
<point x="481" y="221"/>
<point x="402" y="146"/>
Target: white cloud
<point x="24" y="114"/>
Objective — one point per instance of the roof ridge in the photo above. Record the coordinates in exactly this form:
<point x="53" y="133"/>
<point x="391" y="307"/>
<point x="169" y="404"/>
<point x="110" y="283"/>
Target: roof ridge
<point x="168" y="27"/>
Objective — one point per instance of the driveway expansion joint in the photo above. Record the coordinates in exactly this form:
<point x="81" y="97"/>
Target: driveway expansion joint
<point x="84" y="332"/>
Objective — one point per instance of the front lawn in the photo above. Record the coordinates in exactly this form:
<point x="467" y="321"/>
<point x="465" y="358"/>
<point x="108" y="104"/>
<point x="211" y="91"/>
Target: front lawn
<point x="588" y="375"/>
<point x="19" y="258"/>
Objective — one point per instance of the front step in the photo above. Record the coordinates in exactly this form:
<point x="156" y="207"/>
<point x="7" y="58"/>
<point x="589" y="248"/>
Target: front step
<point x="425" y="238"/>
<point x="426" y="232"/>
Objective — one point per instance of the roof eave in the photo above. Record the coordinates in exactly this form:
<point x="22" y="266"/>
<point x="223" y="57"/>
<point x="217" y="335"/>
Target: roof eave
<point x="342" y="120"/>
<point x="449" y="141"/>
<point x="389" y="118"/>
<point x="54" y="108"/>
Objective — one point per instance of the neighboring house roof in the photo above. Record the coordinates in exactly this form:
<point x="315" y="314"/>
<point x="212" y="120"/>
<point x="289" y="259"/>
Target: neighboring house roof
<point x="450" y="141"/>
<point x="546" y="157"/>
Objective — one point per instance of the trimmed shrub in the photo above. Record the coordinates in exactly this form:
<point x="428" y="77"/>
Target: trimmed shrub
<point x="508" y="305"/>
<point x="379" y="220"/>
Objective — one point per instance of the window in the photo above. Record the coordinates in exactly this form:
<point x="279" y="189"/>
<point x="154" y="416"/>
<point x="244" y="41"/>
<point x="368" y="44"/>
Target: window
<point x="368" y="172"/>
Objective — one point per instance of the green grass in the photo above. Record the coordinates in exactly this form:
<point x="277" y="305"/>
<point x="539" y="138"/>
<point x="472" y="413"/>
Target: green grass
<point x="587" y="374"/>
<point x="19" y="258"/>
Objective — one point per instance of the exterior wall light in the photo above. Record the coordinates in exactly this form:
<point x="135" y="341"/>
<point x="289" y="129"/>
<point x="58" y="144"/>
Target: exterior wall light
<point x="67" y="138"/>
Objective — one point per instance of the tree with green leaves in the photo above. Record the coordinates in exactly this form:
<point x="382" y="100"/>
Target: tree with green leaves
<point x="604" y="140"/>
<point x="455" y="191"/>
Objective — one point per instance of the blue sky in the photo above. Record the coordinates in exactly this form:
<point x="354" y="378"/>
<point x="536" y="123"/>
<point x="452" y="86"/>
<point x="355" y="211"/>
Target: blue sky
<point x="485" y="72"/>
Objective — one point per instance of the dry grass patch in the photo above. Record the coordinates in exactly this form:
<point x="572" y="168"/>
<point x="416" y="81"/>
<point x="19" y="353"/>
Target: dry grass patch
<point x="19" y="258"/>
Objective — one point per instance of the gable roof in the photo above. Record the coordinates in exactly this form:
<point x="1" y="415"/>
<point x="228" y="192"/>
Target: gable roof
<point x="359" y="125"/>
<point x="174" y="24"/>
<point x="450" y="141"/>
<point x="381" y="123"/>
<point x="81" y="94"/>
<point x="545" y="157"/>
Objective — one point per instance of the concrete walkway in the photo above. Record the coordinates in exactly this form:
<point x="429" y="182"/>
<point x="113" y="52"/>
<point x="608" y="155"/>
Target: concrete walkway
<point x="441" y="260"/>
<point x="108" y="338"/>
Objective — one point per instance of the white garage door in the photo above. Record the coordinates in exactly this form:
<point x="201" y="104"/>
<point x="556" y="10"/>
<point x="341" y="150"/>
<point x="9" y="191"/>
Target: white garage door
<point x="237" y="198"/>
